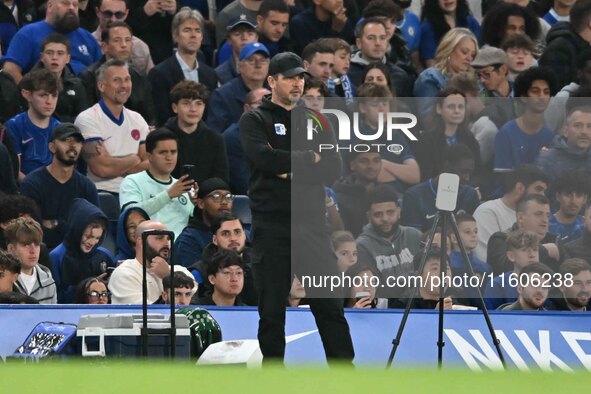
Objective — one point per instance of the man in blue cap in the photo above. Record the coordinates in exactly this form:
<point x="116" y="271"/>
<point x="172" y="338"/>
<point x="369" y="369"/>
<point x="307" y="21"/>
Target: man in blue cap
<point x="280" y="244"/>
<point x="239" y="33"/>
<point x="227" y="101"/>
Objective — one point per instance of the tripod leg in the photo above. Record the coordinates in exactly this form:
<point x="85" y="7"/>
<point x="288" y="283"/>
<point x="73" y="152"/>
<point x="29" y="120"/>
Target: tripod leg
<point x="413" y="294"/>
<point x="442" y="275"/>
<point x="468" y="264"/>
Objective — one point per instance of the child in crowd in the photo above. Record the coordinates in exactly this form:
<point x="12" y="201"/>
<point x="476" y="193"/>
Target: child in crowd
<point x="23" y="239"/>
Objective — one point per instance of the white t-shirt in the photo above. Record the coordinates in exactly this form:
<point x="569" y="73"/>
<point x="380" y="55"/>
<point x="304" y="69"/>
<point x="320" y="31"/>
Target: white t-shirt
<point x="120" y="137"/>
<point x="491" y="216"/>
<point x="125" y="283"/>
<point x="144" y="191"/>
<point x="29" y="280"/>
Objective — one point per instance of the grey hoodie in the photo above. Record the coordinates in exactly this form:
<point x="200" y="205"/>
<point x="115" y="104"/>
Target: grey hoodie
<point x="562" y="158"/>
<point x="555" y="114"/>
<point x="44" y="289"/>
<point x="390" y="258"/>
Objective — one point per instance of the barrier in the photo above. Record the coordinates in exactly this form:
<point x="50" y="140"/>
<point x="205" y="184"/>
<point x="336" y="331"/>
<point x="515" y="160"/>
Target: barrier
<point x="535" y="340"/>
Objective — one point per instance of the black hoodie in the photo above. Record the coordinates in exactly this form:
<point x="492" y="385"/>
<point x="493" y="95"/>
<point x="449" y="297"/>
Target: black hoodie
<point x="564" y="44"/>
<point x="203" y="148"/>
<point x="273" y="147"/>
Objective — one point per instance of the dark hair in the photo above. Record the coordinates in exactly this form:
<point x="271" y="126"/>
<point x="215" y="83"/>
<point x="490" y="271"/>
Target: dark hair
<point x="56" y="38"/>
<point x="433" y="13"/>
<point x="384" y="69"/>
<point x="315" y="83"/>
<point x="526" y="174"/>
<point x="313" y="48"/>
<point x="9" y="262"/>
<point x="106" y="32"/>
<point x="221" y="219"/>
<point x="520" y="41"/>
<point x="81" y="292"/>
<point x="522" y="203"/>
<point x="536" y="268"/>
<point x="434" y="253"/>
<point x="179" y="281"/>
<point x="41" y="79"/>
<point x="273" y="5"/>
<point x="464" y="217"/>
<point x="573" y="266"/>
<point x="495" y="21"/>
<point x="383" y="8"/>
<point x="13" y="297"/>
<point x="13" y="206"/>
<point x="360" y="27"/>
<point x="454" y="153"/>
<point x="223" y="258"/>
<point x="99" y="3"/>
<point x="373" y="90"/>
<point x="526" y="78"/>
<point x="188" y="89"/>
<point x="580" y="13"/>
<point x="572" y="182"/>
<point x="380" y="194"/>
<point x="161" y="134"/>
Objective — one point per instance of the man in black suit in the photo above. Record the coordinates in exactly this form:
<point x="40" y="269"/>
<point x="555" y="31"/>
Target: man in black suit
<point x="187" y="32"/>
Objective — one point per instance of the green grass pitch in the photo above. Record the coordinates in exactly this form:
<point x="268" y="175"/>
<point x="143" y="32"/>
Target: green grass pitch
<point x="114" y="377"/>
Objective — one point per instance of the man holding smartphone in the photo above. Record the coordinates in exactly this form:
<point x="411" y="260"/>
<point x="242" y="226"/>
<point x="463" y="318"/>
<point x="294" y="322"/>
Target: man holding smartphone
<point x="155" y="190"/>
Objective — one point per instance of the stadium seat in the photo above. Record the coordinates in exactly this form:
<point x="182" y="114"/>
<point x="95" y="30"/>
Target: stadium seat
<point x="109" y="204"/>
<point x="241" y="208"/>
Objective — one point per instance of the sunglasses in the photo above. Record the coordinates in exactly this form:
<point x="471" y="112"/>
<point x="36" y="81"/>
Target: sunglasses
<point x="110" y="14"/>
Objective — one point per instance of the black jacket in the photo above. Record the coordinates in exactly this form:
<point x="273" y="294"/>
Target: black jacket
<point x="272" y="148"/>
<point x="140" y="99"/>
<point x="204" y="148"/>
<point x="352" y="201"/>
<point x="563" y="46"/>
<point x="10" y="98"/>
<point x="496" y="252"/>
<point x="154" y="30"/>
<point x="165" y="75"/>
<point x="579" y="248"/>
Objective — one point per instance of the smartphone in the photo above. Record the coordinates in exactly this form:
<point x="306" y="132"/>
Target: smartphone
<point x="362" y="294"/>
<point x="188" y="170"/>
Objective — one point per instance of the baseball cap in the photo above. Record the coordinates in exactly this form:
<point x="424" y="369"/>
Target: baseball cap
<point x="287" y="63"/>
<point x="210" y="185"/>
<point x="241" y="20"/>
<point x="251" y="48"/>
<point x="489" y="56"/>
<point x="65" y="130"/>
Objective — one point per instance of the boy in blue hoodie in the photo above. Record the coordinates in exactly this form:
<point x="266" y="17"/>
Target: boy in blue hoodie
<point x="80" y="256"/>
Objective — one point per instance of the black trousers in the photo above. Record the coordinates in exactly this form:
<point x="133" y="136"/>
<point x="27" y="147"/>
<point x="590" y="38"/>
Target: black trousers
<point x="272" y="256"/>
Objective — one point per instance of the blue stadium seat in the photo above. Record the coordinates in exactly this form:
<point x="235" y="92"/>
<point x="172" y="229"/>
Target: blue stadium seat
<point x="109" y="204"/>
<point x="241" y="208"/>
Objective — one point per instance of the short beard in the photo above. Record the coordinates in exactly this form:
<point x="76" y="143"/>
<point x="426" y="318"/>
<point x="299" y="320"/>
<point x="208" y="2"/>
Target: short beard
<point x="66" y="24"/>
<point x="386" y="234"/>
<point x="150" y="253"/>
<point x="67" y="162"/>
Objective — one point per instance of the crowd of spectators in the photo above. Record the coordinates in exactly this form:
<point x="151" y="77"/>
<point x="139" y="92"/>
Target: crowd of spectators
<point x="139" y="103"/>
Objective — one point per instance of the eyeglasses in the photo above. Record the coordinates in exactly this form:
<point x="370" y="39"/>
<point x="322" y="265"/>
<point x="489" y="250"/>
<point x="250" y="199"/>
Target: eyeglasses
<point x="487" y="74"/>
<point x="97" y="295"/>
<point x="252" y="61"/>
<point x="218" y="197"/>
<point x="110" y="14"/>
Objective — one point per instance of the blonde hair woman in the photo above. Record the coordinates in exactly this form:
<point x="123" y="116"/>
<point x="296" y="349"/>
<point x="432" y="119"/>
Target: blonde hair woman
<point x="454" y="54"/>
